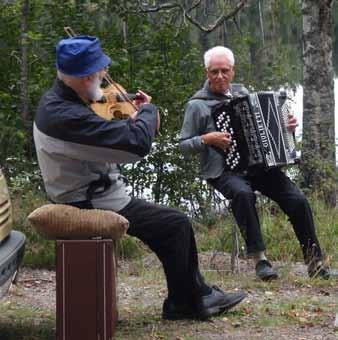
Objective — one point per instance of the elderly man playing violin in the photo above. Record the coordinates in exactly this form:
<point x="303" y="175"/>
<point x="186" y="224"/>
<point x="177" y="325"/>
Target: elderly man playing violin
<point x="79" y="154"/>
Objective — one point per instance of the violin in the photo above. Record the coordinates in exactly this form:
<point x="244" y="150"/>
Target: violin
<point x="113" y="105"/>
<point x="116" y="103"/>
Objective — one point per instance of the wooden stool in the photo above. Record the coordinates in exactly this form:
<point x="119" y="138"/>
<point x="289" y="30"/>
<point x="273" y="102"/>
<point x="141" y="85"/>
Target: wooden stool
<point x="234" y="262"/>
<point x="235" y="268"/>
<point x="86" y="289"/>
<point x="85" y="268"/>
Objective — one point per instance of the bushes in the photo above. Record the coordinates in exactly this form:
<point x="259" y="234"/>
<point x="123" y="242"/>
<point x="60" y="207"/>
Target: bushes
<point x="278" y="234"/>
<point x="213" y="234"/>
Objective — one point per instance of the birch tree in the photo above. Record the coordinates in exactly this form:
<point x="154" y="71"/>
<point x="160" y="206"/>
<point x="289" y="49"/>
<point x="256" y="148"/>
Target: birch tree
<point x="24" y="61"/>
<point x="318" y="158"/>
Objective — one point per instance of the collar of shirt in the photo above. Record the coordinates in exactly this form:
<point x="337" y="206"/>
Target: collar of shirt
<point x="228" y="93"/>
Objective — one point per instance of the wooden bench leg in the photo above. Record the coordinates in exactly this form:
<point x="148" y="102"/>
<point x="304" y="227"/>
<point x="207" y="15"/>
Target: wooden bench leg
<point x="235" y="250"/>
<point x="85" y="289"/>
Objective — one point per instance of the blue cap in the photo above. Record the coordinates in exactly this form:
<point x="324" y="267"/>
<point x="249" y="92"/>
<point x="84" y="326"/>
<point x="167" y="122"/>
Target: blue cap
<point x="80" y="56"/>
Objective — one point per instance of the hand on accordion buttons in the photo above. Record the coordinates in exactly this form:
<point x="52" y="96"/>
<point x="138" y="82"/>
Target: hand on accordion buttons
<point x="292" y="122"/>
<point x="221" y="140"/>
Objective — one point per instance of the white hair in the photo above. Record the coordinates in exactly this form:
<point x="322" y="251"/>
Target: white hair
<point x="60" y="75"/>
<point x="218" y="51"/>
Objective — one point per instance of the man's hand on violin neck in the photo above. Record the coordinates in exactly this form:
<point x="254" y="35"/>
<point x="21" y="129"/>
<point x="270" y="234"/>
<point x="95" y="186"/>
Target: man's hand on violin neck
<point x="141" y="98"/>
<point x="221" y="140"/>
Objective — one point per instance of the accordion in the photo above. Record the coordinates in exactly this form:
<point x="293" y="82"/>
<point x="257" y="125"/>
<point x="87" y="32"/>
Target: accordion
<point x="257" y="124"/>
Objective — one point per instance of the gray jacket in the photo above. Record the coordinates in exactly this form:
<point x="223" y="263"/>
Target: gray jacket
<point x="198" y="121"/>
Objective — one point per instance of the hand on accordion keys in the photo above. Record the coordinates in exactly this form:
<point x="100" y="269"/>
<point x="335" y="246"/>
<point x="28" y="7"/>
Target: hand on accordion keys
<point x="221" y="140"/>
<point x="292" y="122"/>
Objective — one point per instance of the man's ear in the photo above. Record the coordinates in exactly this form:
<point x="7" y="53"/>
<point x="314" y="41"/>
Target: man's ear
<point x="206" y="72"/>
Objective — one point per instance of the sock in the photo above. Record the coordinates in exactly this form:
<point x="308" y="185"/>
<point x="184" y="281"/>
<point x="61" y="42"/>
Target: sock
<point x="204" y="289"/>
<point x="259" y="256"/>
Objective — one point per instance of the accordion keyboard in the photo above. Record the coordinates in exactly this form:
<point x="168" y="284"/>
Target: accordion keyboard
<point x="223" y="124"/>
<point x="257" y="124"/>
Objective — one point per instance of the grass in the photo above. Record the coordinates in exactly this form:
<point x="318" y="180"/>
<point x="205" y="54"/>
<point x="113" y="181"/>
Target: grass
<point x="22" y="323"/>
<point x="213" y="234"/>
<point x="290" y="303"/>
<point x="294" y="302"/>
<point x="277" y="231"/>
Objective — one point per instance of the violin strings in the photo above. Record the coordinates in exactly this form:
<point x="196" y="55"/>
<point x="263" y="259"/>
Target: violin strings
<point x="125" y="96"/>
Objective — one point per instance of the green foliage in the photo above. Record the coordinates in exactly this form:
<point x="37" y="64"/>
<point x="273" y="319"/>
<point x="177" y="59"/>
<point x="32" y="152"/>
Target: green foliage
<point x="319" y="176"/>
<point x="277" y="231"/>
<point x="30" y="324"/>
<point x="150" y="53"/>
<point x="156" y="53"/>
<point x="268" y="54"/>
<point x="213" y="232"/>
<point x="130" y="248"/>
<point x="38" y="252"/>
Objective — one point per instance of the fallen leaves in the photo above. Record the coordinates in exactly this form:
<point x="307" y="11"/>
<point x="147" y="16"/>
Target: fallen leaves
<point x="306" y="316"/>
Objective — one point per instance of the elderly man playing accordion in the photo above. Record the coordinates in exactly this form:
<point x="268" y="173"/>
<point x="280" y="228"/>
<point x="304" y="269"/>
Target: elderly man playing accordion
<point x="79" y="154"/>
<point x="200" y="136"/>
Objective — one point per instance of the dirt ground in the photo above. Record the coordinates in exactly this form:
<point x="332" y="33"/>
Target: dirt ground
<point x="293" y="307"/>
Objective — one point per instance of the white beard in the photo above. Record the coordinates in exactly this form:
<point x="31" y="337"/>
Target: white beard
<point x="95" y="92"/>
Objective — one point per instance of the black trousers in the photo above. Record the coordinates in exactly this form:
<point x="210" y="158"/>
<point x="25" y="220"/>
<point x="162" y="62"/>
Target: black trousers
<point x="277" y="186"/>
<point x="169" y="234"/>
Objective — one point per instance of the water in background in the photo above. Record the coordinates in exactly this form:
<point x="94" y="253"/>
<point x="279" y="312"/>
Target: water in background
<point x="298" y="111"/>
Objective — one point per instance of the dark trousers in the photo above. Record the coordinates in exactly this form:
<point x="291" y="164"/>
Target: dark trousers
<point x="277" y="186"/>
<point x="169" y="234"/>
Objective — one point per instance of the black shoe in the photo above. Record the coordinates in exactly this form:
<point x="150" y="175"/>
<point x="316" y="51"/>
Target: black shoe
<point x="173" y="311"/>
<point x="217" y="302"/>
<point x="318" y="269"/>
<point x="265" y="272"/>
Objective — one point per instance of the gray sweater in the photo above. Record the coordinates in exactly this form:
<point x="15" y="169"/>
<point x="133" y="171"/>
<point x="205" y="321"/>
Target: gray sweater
<point x="198" y="121"/>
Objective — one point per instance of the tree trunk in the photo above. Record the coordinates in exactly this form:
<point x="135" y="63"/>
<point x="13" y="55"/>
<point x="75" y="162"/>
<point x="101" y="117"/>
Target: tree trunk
<point x="157" y="188"/>
<point x="318" y="155"/>
<point x="24" y="62"/>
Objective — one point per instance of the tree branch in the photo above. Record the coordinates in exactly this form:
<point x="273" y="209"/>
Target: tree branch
<point x="144" y="8"/>
<point x="163" y="7"/>
<point x="224" y="17"/>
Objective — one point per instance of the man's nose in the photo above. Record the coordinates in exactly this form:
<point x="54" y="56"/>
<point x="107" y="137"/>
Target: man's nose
<point x="220" y="74"/>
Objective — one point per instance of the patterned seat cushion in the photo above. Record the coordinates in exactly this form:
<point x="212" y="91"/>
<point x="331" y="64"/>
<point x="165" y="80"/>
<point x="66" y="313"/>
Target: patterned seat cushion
<point x="59" y="221"/>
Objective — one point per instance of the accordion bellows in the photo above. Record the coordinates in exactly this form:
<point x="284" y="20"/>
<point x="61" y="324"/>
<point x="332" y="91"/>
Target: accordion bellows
<point x="60" y="221"/>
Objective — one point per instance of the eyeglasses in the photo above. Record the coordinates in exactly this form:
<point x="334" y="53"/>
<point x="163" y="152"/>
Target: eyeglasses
<point x="216" y="71"/>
